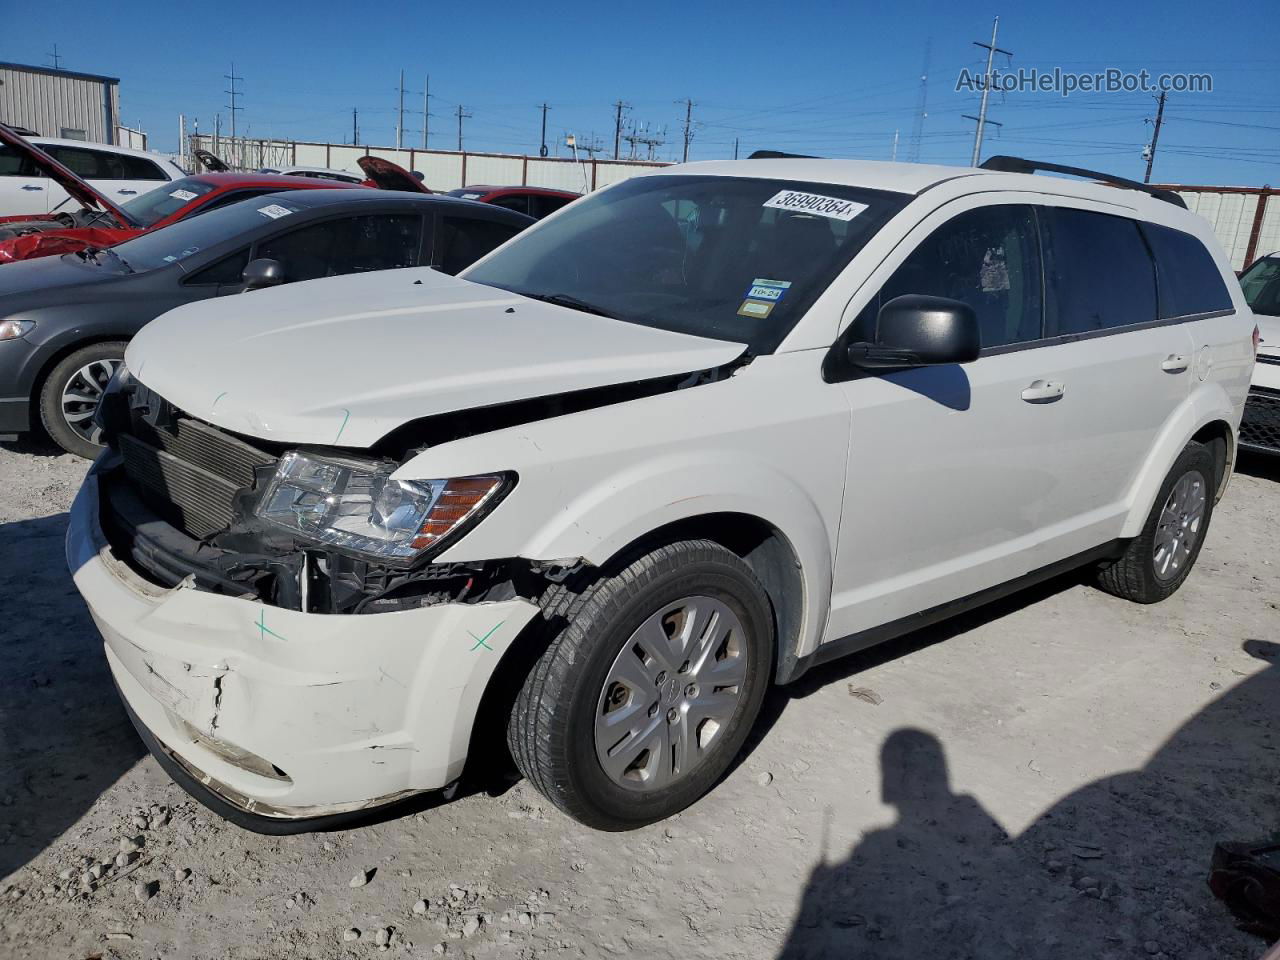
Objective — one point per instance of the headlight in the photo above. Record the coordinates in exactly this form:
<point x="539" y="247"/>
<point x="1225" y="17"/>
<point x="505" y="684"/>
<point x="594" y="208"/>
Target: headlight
<point x="358" y="506"/>
<point x="13" y="329"/>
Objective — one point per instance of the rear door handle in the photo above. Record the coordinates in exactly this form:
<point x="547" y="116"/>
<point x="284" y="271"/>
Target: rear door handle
<point x="1175" y="363"/>
<point x="31" y="186"/>
<point x="1043" y="391"/>
<point x="128" y="193"/>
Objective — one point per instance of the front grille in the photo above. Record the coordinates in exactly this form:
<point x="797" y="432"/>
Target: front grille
<point x="1260" y="427"/>
<point x="188" y="471"/>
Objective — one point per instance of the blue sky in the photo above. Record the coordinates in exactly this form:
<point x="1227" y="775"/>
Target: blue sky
<point x="830" y="79"/>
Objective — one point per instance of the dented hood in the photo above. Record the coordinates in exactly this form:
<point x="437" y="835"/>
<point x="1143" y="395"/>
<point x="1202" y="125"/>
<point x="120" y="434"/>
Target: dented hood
<point x="344" y="361"/>
<point x="63" y="177"/>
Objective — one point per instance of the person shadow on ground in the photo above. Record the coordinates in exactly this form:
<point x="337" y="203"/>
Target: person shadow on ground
<point x="1114" y="869"/>
<point x="908" y="888"/>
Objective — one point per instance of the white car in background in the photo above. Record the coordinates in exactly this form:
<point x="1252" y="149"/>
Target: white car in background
<point x="320" y="173"/>
<point x="1260" y="429"/>
<point x="118" y="173"/>
<point x="688" y="437"/>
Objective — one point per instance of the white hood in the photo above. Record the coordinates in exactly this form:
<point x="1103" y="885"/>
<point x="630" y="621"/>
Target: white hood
<point x="348" y="359"/>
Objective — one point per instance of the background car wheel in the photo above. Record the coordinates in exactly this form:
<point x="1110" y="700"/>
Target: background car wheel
<point x="647" y="692"/>
<point x="1162" y="555"/>
<point x="71" y="392"/>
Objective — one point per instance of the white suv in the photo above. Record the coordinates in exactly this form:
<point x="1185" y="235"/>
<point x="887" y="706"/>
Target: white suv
<point x="682" y="440"/>
<point x="118" y="173"/>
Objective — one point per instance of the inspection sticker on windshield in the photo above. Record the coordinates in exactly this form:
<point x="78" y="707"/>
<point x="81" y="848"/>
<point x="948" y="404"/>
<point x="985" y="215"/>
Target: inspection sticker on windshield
<point x="274" y="211"/>
<point x="833" y="207"/>
<point x="755" y="309"/>
<point x="183" y="195"/>
<point x="768" y="289"/>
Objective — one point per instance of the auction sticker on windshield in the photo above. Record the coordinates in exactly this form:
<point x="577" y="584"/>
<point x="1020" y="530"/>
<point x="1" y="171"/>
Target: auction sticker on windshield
<point x="798" y="202"/>
<point x="274" y="211"/>
<point x="183" y="195"/>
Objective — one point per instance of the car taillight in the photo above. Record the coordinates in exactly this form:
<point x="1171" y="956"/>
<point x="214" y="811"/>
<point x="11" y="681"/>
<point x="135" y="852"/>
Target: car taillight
<point x="1257" y="339"/>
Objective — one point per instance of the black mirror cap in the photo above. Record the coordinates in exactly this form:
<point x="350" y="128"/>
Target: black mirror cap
<point x="262" y="273"/>
<point x="920" y="331"/>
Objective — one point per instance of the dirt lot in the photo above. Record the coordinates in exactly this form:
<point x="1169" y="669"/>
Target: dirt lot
<point x="1047" y="782"/>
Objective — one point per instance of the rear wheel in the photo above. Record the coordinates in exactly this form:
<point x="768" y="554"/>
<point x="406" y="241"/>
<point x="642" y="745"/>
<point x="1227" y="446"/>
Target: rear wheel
<point x="646" y="694"/>
<point x="70" y="394"/>
<point x="1160" y="558"/>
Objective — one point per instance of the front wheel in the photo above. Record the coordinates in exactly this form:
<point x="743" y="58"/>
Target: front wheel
<point x="70" y="394"/>
<point x="646" y="694"/>
<point x="1160" y="558"/>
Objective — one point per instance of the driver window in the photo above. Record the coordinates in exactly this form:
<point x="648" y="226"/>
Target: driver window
<point x="988" y="258"/>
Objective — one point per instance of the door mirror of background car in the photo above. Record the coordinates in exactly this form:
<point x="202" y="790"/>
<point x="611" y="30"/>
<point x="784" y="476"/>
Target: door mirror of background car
<point x="262" y="273"/>
<point x="918" y="331"/>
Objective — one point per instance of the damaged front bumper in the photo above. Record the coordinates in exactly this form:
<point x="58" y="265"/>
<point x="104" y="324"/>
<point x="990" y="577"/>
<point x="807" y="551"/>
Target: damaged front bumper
<point x="289" y="717"/>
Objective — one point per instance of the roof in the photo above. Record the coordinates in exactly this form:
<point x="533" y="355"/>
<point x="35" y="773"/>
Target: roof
<point x="353" y="192"/>
<point x="94" y="145"/>
<point x="915" y="178"/>
<point x="224" y="180"/>
<point x="514" y="188"/>
<point x="54" y="72"/>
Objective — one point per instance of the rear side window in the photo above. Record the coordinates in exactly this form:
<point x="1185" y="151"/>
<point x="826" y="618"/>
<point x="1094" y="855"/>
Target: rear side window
<point x="461" y="241"/>
<point x="1098" y="273"/>
<point x="138" y="168"/>
<point x="513" y="201"/>
<point x="1190" y="282"/>
<point x="1261" y="284"/>
<point x="543" y="206"/>
<point x="988" y="258"/>
<point x="86" y="164"/>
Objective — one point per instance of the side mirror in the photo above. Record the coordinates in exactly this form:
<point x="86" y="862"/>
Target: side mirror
<point x="919" y="331"/>
<point x="262" y="273"/>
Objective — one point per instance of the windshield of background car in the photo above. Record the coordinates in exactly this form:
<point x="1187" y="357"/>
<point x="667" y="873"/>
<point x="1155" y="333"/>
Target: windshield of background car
<point x="730" y="258"/>
<point x="1261" y="284"/>
<point x="154" y="205"/>
<point x="177" y="241"/>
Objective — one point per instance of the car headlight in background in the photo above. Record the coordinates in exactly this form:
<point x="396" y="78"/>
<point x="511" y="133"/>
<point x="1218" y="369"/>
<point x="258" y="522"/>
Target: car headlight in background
<point x="13" y="329"/>
<point x="360" y="507"/>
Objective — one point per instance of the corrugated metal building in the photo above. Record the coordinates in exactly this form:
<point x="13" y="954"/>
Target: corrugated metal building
<point x="60" y="103"/>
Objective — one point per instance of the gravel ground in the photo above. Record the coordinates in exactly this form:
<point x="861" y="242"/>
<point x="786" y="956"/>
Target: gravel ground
<point x="1047" y="782"/>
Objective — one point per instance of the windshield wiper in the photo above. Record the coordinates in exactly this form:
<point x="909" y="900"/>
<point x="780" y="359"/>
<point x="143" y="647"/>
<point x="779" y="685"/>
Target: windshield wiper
<point x="573" y="303"/>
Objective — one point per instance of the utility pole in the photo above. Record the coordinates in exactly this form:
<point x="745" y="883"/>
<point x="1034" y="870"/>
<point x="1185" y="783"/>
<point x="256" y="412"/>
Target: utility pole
<point x="542" y="150"/>
<point x="894" y="155"/>
<point x="688" y="127"/>
<point x="1155" y="136"/>
<point x="355" y="126"/>
<point x="57" y="60"/>
<point x="400" y="115"/>
<point x="461" y="115"/>
<point x="426" y="110"/>
<point x="992" y="50"/>
<point x="234" y="93"/>
<point x="922" y="107"/>
<point x="735" y="148"/>
<point x="617" y="126"/>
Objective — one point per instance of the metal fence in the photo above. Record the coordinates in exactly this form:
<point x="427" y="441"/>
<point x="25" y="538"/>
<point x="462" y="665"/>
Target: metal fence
<point x="441" y="169"/>
<point x="1245" y="219"/>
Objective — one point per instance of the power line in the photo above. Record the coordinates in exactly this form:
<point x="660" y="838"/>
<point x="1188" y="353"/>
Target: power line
<point x="461" y="116"/>
<point x="688" y="126"/>
<point x="619" y="106"/>
<point x="400" y="114"/>
<point x="426" y="109"/>
<point x="922" y="107"/>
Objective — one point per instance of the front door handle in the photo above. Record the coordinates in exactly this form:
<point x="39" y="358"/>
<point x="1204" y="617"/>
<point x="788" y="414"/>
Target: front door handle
<point x="31" y="186"/>
<point x="128" y="193"/>
<point x="1175" y="363"/>
<point x="1043" y="391"/>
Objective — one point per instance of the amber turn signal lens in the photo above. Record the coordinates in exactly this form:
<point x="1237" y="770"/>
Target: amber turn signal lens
<point x="460" y="500"/>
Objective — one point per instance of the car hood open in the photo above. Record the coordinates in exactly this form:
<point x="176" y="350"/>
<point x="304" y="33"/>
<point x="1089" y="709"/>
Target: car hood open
<point x="346" y="360"/>
<point x="386" y="175"/>
<point x="62" y="175"/>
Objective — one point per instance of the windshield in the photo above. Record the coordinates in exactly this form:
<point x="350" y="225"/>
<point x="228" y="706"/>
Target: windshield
<point x="154" y="205"/>
<point x="725" y="257"/>
<point x="177" y="241"/>
<point x="1261" y="284"/>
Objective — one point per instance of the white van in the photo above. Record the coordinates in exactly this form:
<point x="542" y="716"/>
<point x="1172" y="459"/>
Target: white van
<point x="684" y="439"/>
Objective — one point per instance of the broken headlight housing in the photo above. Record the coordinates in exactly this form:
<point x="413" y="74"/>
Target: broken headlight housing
<point x="359" y="507"/>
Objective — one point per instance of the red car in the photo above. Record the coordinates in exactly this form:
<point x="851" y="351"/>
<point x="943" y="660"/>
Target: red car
<point x="536" y="202"/>
<point x="100" y="223"/>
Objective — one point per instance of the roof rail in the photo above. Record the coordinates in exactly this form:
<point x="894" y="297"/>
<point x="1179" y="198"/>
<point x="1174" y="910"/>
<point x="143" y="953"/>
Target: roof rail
<point x="779" y="155"/>
<point x="1019" y="165"/>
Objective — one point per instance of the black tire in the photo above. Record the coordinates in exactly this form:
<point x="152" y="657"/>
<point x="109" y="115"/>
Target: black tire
<point x="551" y="728"/>
<point x="1134" y="575"/>
<point x="50" y="400"/>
